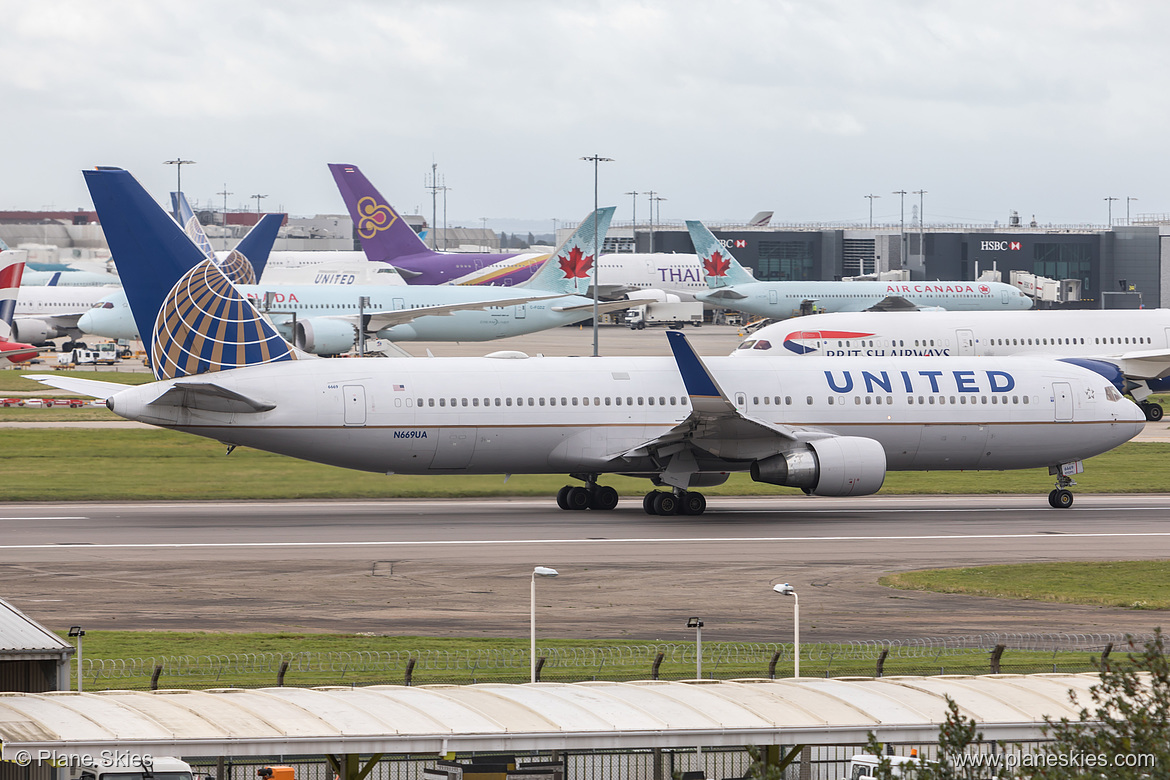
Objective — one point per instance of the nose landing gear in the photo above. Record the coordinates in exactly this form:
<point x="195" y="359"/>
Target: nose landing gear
<point x="1061" y="497"/>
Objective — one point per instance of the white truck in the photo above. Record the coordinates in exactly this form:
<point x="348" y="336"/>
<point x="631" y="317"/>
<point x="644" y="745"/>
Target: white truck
<point x="864" y="765"/>
<point x="674" y="314"/>
<point x="125" y="765"/>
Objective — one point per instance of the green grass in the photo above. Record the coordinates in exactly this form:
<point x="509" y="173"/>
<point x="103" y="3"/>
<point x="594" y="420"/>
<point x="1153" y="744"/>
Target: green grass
<point x="1128" y="584"/>
<point x="158" y="464"/>
<point x="18" y="414"/>
<point x="465" y="660"/>
<point x="14" y="381"/>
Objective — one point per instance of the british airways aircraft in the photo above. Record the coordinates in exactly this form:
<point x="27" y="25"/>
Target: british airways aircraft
<point x="1137" y="342"/>
<point x="827" y="427"/>
<point x="386" y="238"/>
<point x="11" y="269"/>
<point x="733" y="287"/>
<point x="328" y="320"/>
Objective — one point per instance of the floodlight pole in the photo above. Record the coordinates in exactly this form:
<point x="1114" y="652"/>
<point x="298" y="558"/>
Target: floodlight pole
<point x="1109" y="201"/>
<point x="178" y="162"/>
<point x="596" y="160"/>
<point x="258" y="198"/>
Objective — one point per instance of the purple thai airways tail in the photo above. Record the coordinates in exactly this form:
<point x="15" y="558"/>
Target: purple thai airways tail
<point x="384" y="233"/>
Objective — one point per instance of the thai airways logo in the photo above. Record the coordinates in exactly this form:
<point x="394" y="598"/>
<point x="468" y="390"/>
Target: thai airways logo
<point x="798" y="341"/>
<point x="373" y="217"/>
<point x="577" y="265"/>
<point x="716" y="264"/>
<point x="983" y="288"/>
<point x="205" y="325"/>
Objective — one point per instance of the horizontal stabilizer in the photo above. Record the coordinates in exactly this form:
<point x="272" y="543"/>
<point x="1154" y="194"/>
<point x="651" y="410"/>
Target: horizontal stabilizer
<point x="602" y="306"/>
<point x="89" y="387"/>
<point x="211" y="398"/>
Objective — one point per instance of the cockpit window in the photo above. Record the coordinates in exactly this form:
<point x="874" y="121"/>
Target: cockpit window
<point x="747" y="344"/>
<point x="763" y="344"/>
<point x="103" y="305"/>
<point x="1111" y="393"/>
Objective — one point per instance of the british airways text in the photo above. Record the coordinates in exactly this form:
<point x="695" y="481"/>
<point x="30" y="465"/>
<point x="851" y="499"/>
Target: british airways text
<point x="921" y="381"/>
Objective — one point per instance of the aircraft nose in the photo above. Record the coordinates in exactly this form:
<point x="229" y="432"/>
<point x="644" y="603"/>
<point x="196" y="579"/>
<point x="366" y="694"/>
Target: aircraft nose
<point x="85" y="322"/>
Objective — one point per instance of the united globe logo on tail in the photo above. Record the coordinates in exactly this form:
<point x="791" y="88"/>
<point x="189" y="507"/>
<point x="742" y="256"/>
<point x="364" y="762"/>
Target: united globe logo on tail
<point x="374" y="217"/>
<point x="796" y="340"/>
<point x="205" y="325"/>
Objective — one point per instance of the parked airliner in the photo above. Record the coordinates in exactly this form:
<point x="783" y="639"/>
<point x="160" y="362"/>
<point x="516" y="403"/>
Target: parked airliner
<point x="732" y="287"/>
<point x="820" y="425"/>
<point x="11" y="268"/>
<point x="1136" y="341"/>
<point x="327" y="319"/>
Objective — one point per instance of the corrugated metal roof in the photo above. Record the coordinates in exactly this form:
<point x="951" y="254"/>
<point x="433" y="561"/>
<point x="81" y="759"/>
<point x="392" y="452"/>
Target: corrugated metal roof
<point x="21" y="635"/>
<point x="543" y="716"/>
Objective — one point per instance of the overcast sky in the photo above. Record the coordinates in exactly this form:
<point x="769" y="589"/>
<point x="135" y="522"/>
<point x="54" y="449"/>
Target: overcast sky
<point x="725" y="108"/>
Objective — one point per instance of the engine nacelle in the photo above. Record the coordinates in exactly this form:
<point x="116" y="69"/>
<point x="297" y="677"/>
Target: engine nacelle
<point x="654" y="296"/>
<point x="836" y="466"/>
<point x="36" y="332"/>
<point x="323" y="336"/>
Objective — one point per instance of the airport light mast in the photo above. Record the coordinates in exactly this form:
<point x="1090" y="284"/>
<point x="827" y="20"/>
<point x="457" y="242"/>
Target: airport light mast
<point x="1109" y="202"/>
<point x="178" y="162"/>
<point x="902" y="226"/>
<point x="634" y="215"/>
<point x="921" y="228"/>
<point x="596" y="160"/>
<point x="1127" y="200"/>
<point x="225" y="193"/>
<point x="258" y="198"/>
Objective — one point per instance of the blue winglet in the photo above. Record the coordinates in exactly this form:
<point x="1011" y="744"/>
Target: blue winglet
<point x="696" y="377"/>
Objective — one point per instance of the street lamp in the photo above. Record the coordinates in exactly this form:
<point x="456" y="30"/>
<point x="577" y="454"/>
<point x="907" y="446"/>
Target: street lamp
<point x="596" y="160"/>
<point x="75" y="631"/>
<point x="697" y="624"/>
<point x="902" y="228"/>
<point x="539" y="571"/>
<point x="921" y="227"/>
<point x="1109" y="201"/>
<point x="225" y="193"/>
<point x="1127" y="200"/>
<point x="634" y="215"/>
<point x="787" y="590"/>
<point x="258" y="198"/>
<point x="871" y="197"/>
<point x="178" y="162"/>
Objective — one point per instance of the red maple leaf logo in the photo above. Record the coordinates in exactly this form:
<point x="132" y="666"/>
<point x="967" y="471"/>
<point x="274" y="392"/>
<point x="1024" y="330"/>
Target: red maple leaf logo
<point x="576" y="265"/>
<point x="984" y="289"/>
<point x="716" y="265"/>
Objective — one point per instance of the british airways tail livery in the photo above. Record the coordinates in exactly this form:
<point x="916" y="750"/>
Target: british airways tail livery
<point x="731" y="286"/>
<point x="1135" y="343"/>
<point x="386" y="238"/>
<point x="11" y="268"/>
<point x="821" y="425"/>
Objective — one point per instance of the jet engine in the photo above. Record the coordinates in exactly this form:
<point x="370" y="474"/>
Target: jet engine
<point x="36" y="332"/>
<point x="652" y="295"/>
<point x="323" y="336"/>
<point x="836" y="466"/>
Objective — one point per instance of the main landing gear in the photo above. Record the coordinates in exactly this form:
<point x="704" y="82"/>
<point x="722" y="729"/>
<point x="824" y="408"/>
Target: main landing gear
<point x="1061" y="497"/>
<point x="1152" y="411"/>
<point x="678" y="502"/>
<point x="590" y="496"/>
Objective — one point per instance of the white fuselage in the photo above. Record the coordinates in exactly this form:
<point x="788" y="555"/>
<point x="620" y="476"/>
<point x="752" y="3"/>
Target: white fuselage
<point x="1079" y="333"/>
<point x="681" y="274"/>
<point x="780" y="300"/>
<point x="557" y="415"/>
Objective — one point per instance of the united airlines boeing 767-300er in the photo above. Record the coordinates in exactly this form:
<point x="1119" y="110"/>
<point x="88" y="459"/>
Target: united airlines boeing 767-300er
<point x="1135" y="342"/>
<point x="821" y="425"/>
<point x="732" y="287"/>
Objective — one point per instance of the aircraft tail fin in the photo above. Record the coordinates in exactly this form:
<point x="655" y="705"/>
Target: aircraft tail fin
<point x="196" y="320"/>
<point x="720" y="268"/>
<point x="761" y="219"/>
<point x="11" y="270"/>
<point x="384" y="233"/>
<point x="191" y="225"/>
<point x="246" y="263"/>
<point x="569" y="270"/>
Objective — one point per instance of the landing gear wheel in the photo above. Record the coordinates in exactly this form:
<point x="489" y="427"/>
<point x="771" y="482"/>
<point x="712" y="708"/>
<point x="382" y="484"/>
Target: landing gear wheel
<point x="1153" y="411"/>
<point x="648" y="502"/>
<point x="577" y="498"/>
<point x="1062" y="499"/>
<point x="563" y="496"/>
<point x="693" y="503"/>
<point x="603" y="498"/>
<point x="665" y="504"/>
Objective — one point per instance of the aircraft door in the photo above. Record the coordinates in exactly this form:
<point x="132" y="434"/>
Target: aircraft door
<point x="966" y="341"/>
<point x="354" y="397"/>
<point x="773" y="297"/>
<point x="399" y="304"/>
<point x="521" y="311"/>
<point x="741" y="401"/>
<point x="455" y="448"/>
<point x="1062" y="394"/>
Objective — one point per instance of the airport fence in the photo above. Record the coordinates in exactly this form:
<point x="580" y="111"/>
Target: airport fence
<point x="1011" y="653"/>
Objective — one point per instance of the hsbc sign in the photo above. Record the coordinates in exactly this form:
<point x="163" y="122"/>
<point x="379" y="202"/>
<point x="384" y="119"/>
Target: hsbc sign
<point x="1000" y="246"/>
<point x="733" y="243"/>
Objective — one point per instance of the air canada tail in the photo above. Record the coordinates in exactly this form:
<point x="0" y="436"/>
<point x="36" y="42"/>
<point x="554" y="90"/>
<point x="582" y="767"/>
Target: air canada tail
<point x="720" y="269"/>
<point x="196" y="320"/>
<point x="569" y="270"/>
<point x="384" y="233"/>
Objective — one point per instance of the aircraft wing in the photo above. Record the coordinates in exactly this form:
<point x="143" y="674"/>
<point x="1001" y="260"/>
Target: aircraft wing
<point x="1142" y="364"/>
<point x="378" y="320"/>
<point x="723" y="294"/>
<point x="90" y="387"/>
<point x="893" y="303"/>
<point x="715" y="425"/>
<point x="602" y="306"/>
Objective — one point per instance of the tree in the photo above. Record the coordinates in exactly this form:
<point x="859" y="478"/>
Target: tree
<point x="955" y="736"/>
<point x="1127" y="722"/>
